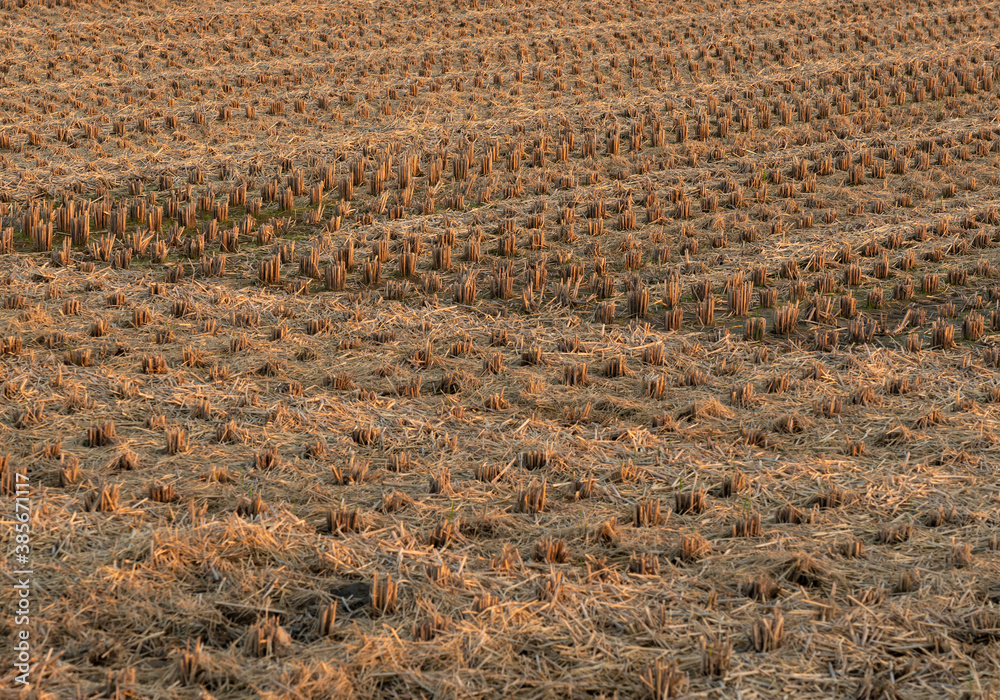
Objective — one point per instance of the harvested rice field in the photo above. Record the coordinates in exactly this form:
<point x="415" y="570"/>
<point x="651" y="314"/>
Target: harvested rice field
<point x="499" y="350"/>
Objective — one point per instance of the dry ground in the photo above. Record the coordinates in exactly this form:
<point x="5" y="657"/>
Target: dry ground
<point x="503" y="350"/>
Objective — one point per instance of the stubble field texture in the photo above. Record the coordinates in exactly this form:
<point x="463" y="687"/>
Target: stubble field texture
<point x="482" y="349"/>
